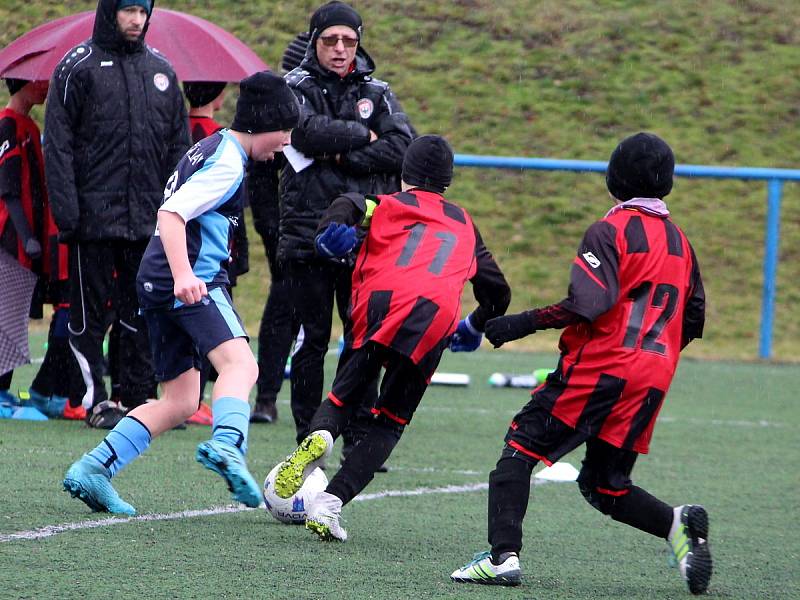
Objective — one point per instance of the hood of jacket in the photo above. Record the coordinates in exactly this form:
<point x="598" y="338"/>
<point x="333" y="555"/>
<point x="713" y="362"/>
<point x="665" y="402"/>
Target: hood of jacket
<point x="107" y="35"/>
<point x="364" y="63"/>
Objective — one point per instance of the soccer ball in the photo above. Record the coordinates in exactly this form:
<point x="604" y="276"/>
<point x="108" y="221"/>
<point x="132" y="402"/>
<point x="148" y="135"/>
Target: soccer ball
<point x="293" y="509"/>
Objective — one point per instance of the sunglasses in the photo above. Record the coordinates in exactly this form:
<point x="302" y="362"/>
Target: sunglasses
<point x="332" y="40"/>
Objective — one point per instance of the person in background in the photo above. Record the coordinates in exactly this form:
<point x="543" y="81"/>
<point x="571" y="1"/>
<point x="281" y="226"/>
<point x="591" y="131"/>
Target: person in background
<point x="635" y="301"/>
<point x="115" y="127"/>
<point x="205" y="98"/>
<point x="351" y="137"/>
<point x="182" y="290"/>
<point x="277" y="329"/>
<point x="28" y="232"/>
<point x="420" y="250"/>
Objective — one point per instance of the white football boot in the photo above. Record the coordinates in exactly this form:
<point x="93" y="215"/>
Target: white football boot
<point x="323" y="518"/>
<point x="482" y="570"/>
<point x="688" y="540"/>
<point x="310" y="454"/>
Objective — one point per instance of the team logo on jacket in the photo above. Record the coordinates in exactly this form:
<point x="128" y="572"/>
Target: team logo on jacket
<point x="161" y="82"/>
<point x="590" y="258"/>
<point x="365" y="108"/>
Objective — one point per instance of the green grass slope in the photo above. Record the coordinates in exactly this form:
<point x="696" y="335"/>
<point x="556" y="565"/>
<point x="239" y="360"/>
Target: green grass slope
<point x="568" y="79"/>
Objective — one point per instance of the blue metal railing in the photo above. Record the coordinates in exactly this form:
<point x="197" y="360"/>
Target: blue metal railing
<point x="773" y="177"/>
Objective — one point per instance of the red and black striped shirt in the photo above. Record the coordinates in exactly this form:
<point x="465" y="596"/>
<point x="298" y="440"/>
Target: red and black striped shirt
<point x="637" y="285"/>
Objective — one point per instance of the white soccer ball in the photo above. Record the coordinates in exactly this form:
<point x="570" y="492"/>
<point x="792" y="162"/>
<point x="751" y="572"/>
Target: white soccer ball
<point x="293" y="509"/>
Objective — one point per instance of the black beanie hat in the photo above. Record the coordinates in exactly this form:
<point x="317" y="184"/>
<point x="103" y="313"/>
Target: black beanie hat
<point x="265" y="104"/>
<point x="295" y="52"/>
<point x="334" y="13"/>
<point x="200" y="93"/>
<point x="640" y="167"/>
<point x="145" y="4"/>
<point x="15" y="85"/>
<point x="428" y="163"/>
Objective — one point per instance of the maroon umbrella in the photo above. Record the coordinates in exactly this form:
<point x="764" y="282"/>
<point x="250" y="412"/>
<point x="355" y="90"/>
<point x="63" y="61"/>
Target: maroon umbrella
<point x="197" y="49"/>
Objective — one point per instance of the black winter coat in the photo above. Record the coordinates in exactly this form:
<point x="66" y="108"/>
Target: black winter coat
<point x="336" y="116"/>
<point x="115" y="127"/>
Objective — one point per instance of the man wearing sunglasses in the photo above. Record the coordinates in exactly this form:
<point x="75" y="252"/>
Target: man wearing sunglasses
<point x="354" y="130"/>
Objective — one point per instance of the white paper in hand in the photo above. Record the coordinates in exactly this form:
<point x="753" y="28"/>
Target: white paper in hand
<point x="297" y="159"/>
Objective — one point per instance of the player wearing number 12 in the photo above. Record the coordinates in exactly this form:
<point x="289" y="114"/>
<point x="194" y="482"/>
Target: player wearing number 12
<point x="419" y="252"/>
<point x="635" y="300"/>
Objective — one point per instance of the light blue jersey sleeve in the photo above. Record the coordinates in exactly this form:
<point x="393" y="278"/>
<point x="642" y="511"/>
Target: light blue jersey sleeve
<point x="209" y="187"/>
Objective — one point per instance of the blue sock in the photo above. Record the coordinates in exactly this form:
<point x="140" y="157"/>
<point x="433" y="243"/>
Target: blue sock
<point x="231" y="421"/>
<point x="122" y="444"/>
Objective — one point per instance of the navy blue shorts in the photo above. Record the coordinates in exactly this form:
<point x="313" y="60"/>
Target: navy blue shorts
<point x="181" y="337"/>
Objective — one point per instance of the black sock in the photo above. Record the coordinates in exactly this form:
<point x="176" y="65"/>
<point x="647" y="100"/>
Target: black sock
<point x="365" y="458"/>
<point x="509" y="490"/>
<point x="640" y="509"/>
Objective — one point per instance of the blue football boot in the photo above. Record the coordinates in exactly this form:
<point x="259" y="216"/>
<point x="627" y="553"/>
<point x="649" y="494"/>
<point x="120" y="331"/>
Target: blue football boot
<point x="90" y="482"/>
<point x="227" y="461"/>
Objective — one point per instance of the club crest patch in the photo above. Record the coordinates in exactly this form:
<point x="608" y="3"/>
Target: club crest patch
<point x="161" y="82"/>
<point x="365" y="108"/>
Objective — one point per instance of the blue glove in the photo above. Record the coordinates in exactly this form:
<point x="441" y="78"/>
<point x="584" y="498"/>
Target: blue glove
<point x="466" y="338"/>
<point x="337" y="240"/>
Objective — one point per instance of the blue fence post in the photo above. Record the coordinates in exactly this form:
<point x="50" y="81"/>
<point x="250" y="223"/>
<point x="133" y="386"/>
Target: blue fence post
<point x="771" y="244"/>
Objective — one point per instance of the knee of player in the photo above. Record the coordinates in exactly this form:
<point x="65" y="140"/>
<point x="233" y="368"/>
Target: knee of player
<point x="510" y="469"/>
<point x="599" y="497"/>
<point x="390" y="427"/>
<point x="243" y="370"/>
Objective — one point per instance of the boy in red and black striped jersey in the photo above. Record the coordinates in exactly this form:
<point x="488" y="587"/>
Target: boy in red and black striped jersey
<point x="635" y="300"/>
<point x="418" y="253"/>
<point x="29" y="234"/>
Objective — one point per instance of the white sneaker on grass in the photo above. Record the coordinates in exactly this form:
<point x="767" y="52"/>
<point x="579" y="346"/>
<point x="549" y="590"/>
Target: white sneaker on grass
<point x="688" y="540"/>
<point x="482" y="570"/>
<point x="323" y="518"/>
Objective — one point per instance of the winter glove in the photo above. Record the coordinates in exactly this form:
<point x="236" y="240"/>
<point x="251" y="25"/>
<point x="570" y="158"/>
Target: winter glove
<point x="466" y="338"/>
<point x="508" y="328"/>
<point x="33" y="248"/>
<point x="337" y="240"/>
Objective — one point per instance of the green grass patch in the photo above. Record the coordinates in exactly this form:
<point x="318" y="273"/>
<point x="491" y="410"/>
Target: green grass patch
<point x="726" y="438"/>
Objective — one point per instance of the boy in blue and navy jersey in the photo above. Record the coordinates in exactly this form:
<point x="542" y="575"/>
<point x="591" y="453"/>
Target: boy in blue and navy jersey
<point x="181" y="288"/>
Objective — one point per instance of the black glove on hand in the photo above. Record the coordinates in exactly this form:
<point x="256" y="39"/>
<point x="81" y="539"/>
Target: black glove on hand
<point x="508" y="328"/>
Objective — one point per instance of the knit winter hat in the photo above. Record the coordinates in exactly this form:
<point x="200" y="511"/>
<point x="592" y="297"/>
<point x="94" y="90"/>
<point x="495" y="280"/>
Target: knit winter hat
<point x="200" y="93"/>
<point x="640" y="167"/>
<point x="145" y="4"/>
<point x="295" y="52"/>
<point x="265" y="104"/>
<point x="15" y="85"/>
<point x="428" y="163"/>
<point x="334" y="13"/>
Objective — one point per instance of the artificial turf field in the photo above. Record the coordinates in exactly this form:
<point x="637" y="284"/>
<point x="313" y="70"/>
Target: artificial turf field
<point x="727" y="438"/>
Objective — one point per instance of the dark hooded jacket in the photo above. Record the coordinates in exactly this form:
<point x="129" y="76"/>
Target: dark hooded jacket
<point x="336" y="116"/>
<point x="115" y="127"/>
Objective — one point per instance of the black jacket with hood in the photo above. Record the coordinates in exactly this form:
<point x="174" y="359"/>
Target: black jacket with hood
<point x="115" y="127"/>
<point x="336" y="116"/>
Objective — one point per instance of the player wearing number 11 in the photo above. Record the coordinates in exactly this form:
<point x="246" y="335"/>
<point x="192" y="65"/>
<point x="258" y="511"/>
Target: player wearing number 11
<point x="635" y="300"/>
<point x="418" y="253"/>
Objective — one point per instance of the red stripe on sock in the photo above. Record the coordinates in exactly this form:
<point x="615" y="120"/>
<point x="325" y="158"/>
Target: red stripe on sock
<point x="335" y="400"/>
<point x="611" y="492"/>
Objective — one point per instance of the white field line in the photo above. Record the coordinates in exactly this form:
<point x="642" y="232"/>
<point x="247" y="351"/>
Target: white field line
<point x="52" y="530"/>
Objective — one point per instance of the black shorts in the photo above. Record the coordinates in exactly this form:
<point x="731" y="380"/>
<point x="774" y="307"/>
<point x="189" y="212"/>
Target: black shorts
<point x="536" y="435"/>
<point x="180" y="338"/>
<point x="402" y="386"/>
